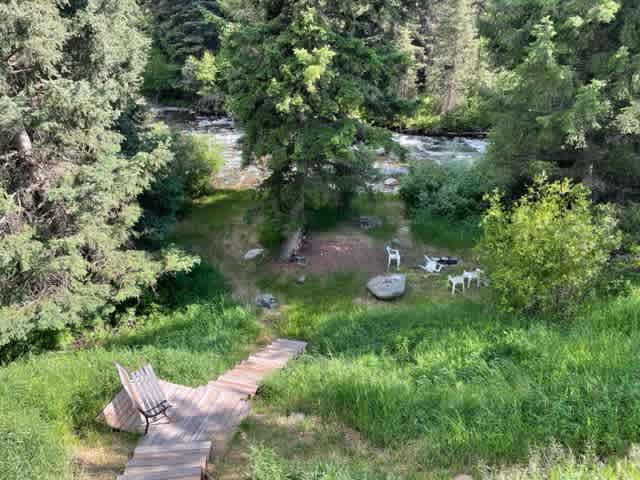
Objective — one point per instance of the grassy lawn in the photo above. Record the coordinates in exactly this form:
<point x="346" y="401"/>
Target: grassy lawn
<point x="425" y="387"/>
<point x="49" y="402"/>
<point x="459" y="386"/>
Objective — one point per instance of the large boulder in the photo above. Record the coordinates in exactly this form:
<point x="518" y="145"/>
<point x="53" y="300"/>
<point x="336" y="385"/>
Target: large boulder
<point x="388" y="287"/>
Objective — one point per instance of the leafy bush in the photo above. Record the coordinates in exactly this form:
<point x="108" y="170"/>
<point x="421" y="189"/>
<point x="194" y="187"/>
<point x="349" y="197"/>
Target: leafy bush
<point x="186" y="177"/>
<point x="630" y="225"/>
<point x="545" y="252"/>
<point x="423" y="118"/>
<point x="471" y="115"/>
<point x="161" y="76"/>
<point x="454" y="192"/>
<point x="197" y="160"/>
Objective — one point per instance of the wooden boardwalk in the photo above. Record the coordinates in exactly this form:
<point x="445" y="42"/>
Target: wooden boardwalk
<point x="204" y="419"/>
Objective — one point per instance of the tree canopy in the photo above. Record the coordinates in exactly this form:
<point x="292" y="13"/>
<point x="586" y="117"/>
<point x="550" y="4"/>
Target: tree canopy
<point x="569" y="97"/>
<point x="68" y="195"/>
<point x="309" y="82"/>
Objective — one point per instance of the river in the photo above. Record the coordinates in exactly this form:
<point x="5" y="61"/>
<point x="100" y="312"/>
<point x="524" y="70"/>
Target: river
<point x="232" y="175"/>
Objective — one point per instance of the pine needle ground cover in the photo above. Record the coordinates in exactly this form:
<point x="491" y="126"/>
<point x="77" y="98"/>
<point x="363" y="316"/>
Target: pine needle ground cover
<point x="49" y="402"/>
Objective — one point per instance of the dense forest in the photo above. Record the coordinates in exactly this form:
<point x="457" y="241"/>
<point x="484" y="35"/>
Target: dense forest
<point x="97" y="192"/>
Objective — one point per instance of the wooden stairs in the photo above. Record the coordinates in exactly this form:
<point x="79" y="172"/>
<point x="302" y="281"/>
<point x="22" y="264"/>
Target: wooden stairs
<point x="203" y="419"/>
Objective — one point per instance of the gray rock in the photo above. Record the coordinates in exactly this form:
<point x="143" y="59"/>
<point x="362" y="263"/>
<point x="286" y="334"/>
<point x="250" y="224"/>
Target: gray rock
<point x="388" y="287"/>
<point x="253" y="254"/>
<point x="302" y="279"/>
<point x="391" y="171"/>
<point x="391" y="182"/>
<point x="266" y="300"/>
<point x="367" y="222"/>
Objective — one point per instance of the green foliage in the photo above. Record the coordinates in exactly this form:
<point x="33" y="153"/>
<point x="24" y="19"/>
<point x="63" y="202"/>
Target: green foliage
<point x="456" y="236"/>
<point x="306" y="89"/>
<point x="568" y="95"/>
<point x="49" y="402"/>
<point x="425" y="116"/>
<point x="460" y="384"/>
<point x="69" y="193"/>
<point x="470" y="114"/>
<point x="185" y="177"/>
<point x="161" y="76"/>
<point x="544" y="253"/>
<point x="453" y="192"/>
<point x="629" y="218"/>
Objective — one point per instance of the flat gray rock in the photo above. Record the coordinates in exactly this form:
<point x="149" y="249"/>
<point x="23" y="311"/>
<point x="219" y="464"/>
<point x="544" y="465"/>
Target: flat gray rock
<point x="388" y="287"/>
<point x="253" y="254"/>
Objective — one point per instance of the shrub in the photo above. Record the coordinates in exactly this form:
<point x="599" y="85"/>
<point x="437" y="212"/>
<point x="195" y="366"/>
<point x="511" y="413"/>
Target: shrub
<point x="630" y="225"/>
<point x="544" y="253"/>
<point x="197" y="160"/>
<point x="454" y="192"/>
<point x="186" y="177"/>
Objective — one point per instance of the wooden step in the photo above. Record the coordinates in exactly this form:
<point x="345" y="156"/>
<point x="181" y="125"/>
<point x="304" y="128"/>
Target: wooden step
<point x="137" y="470"/>
<point x="169" y="459"/>
<point x="175" y="473"/>
<point x="178" y="447"/>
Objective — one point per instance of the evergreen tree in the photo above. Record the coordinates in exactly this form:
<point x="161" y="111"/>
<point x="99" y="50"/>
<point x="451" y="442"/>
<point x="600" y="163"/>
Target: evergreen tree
<point x="569" y="101"/>
<point x="186" y="27"/>
<point x="455" y="54"/>
<point x="308" y="81"/>
<point x="67" y="192"/>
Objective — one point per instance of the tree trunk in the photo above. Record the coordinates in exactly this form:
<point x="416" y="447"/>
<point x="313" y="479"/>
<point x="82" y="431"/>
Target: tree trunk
<point x="22" y="143"/>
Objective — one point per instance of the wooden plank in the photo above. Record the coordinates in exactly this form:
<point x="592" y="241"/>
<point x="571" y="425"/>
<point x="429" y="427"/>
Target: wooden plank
<point x="168" y="460"/>
<point x="247" y="391"/>
<point x="179" y="447"/>
<point x="160" y="468"/>
<point x="201" y="411"/>
<point x="189" y="473"/>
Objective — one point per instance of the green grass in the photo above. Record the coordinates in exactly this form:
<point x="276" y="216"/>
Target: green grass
<point x="458" y="238"/>
<point x="49" y="402"/>
<point x="465" y="386"/>
<point x="308" y="304"/>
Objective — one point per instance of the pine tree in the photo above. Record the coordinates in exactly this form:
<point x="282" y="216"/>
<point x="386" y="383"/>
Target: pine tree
<point x="67" y="193"/>
<point x="308" y="81"/>
<point x="569" y="101"/>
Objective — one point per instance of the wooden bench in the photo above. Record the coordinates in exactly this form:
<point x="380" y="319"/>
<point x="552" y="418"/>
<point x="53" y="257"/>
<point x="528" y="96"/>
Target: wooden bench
<point x="145" y="393"/>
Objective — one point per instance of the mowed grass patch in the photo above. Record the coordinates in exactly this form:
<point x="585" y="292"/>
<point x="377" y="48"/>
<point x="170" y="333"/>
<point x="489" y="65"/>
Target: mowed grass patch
<point x="469" y="386"/>
<point x="49" y="402"/>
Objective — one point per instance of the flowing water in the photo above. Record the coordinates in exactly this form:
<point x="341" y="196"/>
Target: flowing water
<point x="233" y="175"/>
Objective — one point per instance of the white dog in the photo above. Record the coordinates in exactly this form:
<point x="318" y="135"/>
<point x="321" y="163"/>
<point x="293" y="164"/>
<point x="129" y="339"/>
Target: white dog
<point x="477" y="275"/>
<point x="455" y="281"/>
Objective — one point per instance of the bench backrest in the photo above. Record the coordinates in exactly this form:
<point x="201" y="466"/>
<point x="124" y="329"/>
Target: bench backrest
<point x="142" y="386"/>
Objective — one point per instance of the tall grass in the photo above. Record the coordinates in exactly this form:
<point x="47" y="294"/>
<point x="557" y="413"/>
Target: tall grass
<point x="458" y="237"/>
<point x="468" y="386"/>
<point x="48" y="403"/>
